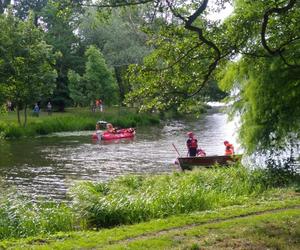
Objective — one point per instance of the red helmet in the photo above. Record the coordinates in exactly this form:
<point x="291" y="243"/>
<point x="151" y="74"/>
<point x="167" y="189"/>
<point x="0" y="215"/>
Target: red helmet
<point x="226" y="142"/>
<point x="190" y="134"/>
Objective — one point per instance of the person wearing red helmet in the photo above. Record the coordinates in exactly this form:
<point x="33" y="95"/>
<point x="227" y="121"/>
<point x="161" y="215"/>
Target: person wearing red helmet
<point x="192" y="144"/>
<point x="229" y="149"/>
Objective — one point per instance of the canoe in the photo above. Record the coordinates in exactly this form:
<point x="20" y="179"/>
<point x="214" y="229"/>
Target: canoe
<point x="187" y="163"/>
<point x="119" y="134"/>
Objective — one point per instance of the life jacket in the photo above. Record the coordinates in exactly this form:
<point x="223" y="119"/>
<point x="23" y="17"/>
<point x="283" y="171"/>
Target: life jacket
<point x="192" y="143"/>
<point x="229" y="150"/>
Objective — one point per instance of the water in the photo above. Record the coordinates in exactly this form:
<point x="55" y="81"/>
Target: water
<point x="48" y="166"/>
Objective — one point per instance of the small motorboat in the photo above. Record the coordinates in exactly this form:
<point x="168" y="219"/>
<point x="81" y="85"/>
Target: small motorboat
<point x="124" y="133"/>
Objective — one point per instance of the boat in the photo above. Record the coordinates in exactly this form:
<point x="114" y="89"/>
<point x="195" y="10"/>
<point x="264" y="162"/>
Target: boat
<point x="119" y="134"/>
<point x="187" y="163"/>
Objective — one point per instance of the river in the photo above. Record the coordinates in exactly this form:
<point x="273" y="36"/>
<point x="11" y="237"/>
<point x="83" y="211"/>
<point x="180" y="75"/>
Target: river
<point x="48" y="166"/>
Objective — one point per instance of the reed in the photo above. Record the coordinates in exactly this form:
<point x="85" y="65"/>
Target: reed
<point x="134" y="199"/>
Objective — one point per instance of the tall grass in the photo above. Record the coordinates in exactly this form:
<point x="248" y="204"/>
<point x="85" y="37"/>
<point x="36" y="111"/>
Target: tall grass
<point x="74" y="121"/>
<point x="134" y="199"/>
<point x="19" y="217"/>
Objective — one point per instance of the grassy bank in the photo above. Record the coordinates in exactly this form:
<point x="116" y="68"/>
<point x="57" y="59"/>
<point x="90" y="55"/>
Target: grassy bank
<point x="72" y="120"/>
<point x="135" y="199"/>
<point x="260" y="224"/>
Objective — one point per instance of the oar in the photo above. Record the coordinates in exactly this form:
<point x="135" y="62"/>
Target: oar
<point x="175" y="149"/>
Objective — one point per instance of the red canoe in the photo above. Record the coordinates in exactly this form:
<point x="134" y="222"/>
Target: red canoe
<point x="119" y="134"/>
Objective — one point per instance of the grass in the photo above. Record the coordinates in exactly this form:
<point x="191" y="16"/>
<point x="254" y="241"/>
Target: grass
<point x="258" y="224"/>
<point x="135" y="199"/>
<point x="72" y="120"/>
<point x="19" y="217"/>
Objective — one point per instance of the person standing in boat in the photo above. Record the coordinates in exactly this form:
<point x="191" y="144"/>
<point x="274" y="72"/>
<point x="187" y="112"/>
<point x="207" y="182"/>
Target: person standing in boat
<point x="229" y="149"/>
<point x="192" y="144"/>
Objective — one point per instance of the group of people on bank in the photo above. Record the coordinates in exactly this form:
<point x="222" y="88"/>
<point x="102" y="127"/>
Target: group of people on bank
<point x="193" y="150"/>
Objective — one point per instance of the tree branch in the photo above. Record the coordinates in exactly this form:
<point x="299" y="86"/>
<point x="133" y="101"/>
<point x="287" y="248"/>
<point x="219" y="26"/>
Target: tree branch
<point x="266" y="18"/>
<point x="119" y="4"/>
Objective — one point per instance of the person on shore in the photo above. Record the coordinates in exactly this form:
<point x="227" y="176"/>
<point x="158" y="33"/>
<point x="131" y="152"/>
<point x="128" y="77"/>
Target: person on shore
<point x="36" y="110"/>
<point x="49" y="108"/>
<point x="192" y="144"/>
<point x="229" y="149"/>
<point x="101" y="105"/>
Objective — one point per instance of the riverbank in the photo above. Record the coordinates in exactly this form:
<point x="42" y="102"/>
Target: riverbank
<point x="76" y="119"/>
<point x="138" y="199"/>
<point x="260" y="224"/>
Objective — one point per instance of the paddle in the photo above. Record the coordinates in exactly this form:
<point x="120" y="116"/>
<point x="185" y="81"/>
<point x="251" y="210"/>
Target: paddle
<point x="175" y="149"/>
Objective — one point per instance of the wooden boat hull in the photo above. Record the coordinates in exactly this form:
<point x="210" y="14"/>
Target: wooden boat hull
<point x="187" y="163"/>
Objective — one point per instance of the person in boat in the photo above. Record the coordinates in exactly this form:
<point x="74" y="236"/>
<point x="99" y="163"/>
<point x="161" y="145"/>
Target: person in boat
<point x="201" y="152"/>
<point x="192" y="144"/>
<point x="229" y="149"/>
<point x="110" y="128"/>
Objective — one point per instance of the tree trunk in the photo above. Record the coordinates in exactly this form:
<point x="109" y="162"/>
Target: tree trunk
<point x="25" y="115"/>
<point x="122" y="84"/>
<point x="18" y="113"/>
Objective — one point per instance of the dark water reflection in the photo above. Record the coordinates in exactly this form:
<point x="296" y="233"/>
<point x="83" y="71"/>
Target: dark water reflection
<point x="48" y="166"/>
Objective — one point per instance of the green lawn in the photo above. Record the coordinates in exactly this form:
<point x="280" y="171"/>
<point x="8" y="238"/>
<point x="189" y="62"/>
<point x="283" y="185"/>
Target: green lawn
<point x="260" y="224"/>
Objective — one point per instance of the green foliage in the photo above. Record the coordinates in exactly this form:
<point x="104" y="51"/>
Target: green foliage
<point x="119" y="36"/>
<point x="20" y="217"/>
<point x="97" y="81"/>
<point x="268" y="99"/>
<point x="138" y="198"/>
<point x="25" y="61"/>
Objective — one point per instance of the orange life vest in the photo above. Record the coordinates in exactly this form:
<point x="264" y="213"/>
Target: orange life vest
<point x="229" y="150"/>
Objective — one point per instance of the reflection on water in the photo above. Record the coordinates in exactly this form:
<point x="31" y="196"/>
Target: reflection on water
<point x="48" y="166"/>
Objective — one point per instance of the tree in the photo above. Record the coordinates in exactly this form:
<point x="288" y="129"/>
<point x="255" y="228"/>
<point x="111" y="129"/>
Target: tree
<point x="118" y="34"/>
<point x="27" y="72"/>
<point x="60" y="20"/>
<point x="97" y="81"/>
<point x="264" y="33"/>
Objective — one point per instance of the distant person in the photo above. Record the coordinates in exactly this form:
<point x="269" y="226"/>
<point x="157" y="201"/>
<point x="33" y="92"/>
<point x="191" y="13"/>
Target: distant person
<point x="192" y="144"/>
<point x="229" y="149"/>
<point x="97" y="104"/>
<point x="36" y="110"/>
<point x="49" y="108"/>
<point x="101" y="105"/>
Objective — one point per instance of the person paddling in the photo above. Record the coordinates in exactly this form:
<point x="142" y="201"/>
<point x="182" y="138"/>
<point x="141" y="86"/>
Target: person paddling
<point x="229" y="149"/>
<point x="192" y="144"/>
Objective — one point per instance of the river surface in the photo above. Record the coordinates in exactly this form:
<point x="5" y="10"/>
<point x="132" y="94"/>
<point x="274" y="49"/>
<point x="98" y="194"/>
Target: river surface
<point x="48" y="166"/>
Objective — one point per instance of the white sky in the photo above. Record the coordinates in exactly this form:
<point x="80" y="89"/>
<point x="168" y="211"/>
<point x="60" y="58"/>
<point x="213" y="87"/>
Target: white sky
<point x="224" y="13"/>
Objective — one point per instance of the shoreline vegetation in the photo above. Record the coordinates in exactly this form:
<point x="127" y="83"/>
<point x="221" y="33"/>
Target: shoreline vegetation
<point x="145" y="201"/>
<point x="75" y="119"/>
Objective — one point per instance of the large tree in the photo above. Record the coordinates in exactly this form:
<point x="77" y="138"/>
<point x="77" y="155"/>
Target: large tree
<point x="26" y="62"/>
<point x="60" y="21"/>
<point x="119" y="36"/>
<point x="96" y="82"/>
